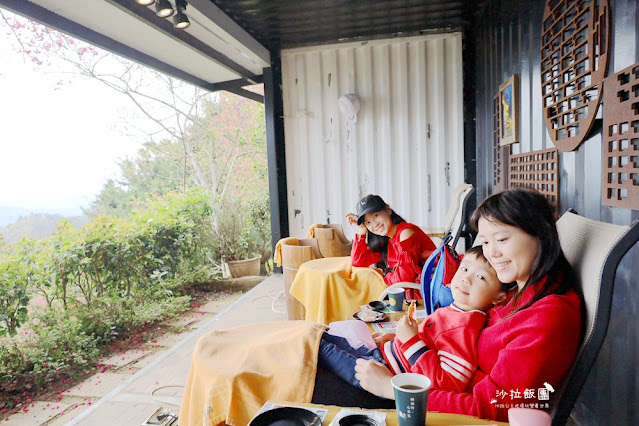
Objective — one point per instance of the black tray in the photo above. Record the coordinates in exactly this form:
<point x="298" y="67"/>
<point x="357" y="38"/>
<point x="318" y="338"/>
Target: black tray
<point x="287" y="416"/>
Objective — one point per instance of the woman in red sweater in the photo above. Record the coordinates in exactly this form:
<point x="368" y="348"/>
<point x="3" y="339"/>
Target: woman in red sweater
<point x="532" y="338"/>
<point x="384" y="238"/>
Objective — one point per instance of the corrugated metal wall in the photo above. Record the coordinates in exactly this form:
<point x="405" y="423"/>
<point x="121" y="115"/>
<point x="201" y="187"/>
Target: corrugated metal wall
<point x="407" y="143"/>
<point x="509" y="43"/>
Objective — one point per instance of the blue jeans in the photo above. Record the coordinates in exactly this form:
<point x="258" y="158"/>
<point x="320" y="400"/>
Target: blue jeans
<point x="339" y="357"/>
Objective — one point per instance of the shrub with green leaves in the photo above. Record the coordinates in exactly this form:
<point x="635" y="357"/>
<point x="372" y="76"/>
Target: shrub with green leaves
<point x="16" y="273"/>
<point x="65" y="298"/>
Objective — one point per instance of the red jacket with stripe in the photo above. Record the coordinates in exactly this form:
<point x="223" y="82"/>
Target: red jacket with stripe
<point x="522" y="358"/>
<point x="444" y="349"/>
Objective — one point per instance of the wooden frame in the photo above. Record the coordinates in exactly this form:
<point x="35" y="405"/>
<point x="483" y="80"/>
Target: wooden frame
<point x="575" y="45"/>
<point x="620" y="177"/>
<point x="501" y="154"/>
<point x="509" y="111"/>
<point x="537" y="170"/>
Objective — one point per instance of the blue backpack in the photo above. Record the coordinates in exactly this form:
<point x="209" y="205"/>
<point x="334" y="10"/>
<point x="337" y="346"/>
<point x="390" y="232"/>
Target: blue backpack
<point x="435" y="293"/>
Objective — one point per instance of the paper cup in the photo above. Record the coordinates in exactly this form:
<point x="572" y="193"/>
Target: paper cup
<point x="396" y="299"/>
<point x="411" y="398"/>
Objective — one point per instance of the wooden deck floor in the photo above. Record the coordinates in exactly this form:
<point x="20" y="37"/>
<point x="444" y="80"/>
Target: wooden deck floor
<point x="161" y="383"/>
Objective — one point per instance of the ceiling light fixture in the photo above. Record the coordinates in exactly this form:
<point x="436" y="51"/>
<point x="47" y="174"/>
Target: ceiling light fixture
<point x="145" y="2"/>
<point x="163" y="8"/>
<point x="180" y="20"/>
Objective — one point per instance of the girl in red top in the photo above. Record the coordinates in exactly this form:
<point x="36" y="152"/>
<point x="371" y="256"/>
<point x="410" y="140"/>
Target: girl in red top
<point x="532" y="338"/>
<point x="384" y="238"/>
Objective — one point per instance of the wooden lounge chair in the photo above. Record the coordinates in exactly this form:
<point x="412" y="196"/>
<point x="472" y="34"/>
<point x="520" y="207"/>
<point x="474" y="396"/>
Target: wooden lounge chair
<point x="594" y="250"/>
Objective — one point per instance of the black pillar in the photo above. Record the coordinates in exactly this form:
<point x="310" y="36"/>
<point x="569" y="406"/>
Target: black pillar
<point x="274" y="112"/>
<point x="470" y="130"/>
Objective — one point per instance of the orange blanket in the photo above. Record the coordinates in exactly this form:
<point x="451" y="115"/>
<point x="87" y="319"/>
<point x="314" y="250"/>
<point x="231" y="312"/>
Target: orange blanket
<point x="235" y="371"/>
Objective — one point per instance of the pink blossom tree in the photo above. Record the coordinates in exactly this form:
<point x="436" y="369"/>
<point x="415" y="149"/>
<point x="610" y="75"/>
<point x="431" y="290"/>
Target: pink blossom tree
<point x="222" y="135"/>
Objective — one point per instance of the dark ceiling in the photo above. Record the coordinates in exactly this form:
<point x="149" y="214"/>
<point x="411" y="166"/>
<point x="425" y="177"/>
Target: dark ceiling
<point x="280" y="24"/>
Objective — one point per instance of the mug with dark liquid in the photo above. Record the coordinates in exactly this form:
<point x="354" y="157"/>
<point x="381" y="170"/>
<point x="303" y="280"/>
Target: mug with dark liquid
<point x="411" y="398"/>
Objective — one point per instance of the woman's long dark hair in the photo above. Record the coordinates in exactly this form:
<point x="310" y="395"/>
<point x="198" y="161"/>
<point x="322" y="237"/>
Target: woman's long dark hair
<point x="379" y="243"/>
<point x="531" y="212"/>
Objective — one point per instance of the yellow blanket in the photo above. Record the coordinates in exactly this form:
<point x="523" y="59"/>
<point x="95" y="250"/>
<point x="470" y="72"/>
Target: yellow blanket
<point x="331" y="289"/>
<point x="311" y="230"/>
<point x="277" y="256"/>
<point x="235" y="371"/>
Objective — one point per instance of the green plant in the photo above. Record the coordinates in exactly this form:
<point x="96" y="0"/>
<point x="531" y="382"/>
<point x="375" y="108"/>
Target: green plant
<point x="67" y="298"/>
<point x="243" y="230"/>
<point x="15" y="276"/>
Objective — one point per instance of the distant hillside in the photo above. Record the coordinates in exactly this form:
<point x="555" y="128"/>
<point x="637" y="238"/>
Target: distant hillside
<point x="37" y="226"/>
<point x="9" y="215"/>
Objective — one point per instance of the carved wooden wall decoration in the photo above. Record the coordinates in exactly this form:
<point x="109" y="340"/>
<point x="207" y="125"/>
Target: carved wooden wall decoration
<point x="537" y="170"/>
<point x="501" y="153"/>
<point x="574" y="57"/>
<point x="620" y="180"/>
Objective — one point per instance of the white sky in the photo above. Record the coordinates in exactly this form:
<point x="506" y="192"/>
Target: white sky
<point x="57" y="147"/>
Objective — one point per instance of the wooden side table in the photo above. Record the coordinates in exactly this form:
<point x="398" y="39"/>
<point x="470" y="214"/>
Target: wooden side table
<point x="432" y="418"/>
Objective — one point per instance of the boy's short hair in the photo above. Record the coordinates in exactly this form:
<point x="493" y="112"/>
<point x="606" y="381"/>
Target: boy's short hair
<point x="478" y="252"/>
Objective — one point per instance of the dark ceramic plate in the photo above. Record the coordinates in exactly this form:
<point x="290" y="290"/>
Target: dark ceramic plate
<point x="287" y="416"/>
<point x="379" y="318"/>
<point x="357" y="420"/>
<point x="376" y="305"/>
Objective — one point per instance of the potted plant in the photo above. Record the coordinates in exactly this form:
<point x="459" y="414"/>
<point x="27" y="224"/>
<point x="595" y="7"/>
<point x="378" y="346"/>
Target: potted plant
<point x="244" y="237"/>
<point x="242" y="259"/>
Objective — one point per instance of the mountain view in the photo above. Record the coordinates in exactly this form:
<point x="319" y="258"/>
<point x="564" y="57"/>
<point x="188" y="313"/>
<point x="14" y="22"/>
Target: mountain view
<point x="18" y="223"/>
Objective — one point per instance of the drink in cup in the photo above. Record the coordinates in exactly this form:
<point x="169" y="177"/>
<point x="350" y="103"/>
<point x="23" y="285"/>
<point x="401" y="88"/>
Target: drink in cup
<point x="396" y="299"/>
<point x="411" y="398"/>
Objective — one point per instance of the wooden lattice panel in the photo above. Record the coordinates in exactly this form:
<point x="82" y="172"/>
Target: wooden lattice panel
<point x="620" y="180"/>
<point x="537" y="170"/>
<point x="574" y="57"/>
<point x="500" y="153"/>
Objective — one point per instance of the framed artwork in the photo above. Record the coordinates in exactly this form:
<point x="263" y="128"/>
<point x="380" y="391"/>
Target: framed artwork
<point x="509" y="111"/>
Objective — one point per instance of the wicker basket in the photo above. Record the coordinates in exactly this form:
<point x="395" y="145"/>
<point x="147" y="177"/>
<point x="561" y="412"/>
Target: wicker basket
<point x="244" y="268"/>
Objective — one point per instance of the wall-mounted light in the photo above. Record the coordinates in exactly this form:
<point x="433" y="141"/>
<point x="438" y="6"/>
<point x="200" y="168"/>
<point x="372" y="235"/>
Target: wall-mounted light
<point x="163" y="8"/>
<point x="180" y="20"/>
<point x="145" y="2"/>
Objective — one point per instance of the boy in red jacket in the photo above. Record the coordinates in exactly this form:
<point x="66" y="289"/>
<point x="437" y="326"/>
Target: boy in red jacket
<point x="444" y="346"/>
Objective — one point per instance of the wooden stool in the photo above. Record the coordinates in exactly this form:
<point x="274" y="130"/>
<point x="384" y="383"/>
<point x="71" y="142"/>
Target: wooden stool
<point x="332" y="242"/>
<point x="292" y="258"/>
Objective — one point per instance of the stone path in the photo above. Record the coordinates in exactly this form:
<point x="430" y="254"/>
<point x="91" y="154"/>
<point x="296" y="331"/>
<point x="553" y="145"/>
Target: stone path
<point x="60" y="409"/>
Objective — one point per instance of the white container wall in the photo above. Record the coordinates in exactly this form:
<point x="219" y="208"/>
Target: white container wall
<point x="405" y="144"/>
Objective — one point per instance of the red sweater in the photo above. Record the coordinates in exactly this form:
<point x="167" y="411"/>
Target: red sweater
<point x="444" y="350"/>
<point x="405" y="257"/>
<point x="517" y="356"/>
